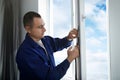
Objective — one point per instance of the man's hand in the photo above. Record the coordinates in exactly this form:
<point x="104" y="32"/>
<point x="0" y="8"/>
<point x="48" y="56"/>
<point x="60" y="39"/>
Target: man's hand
<point x="72" y="34"/>
<point x="72" y="53"/>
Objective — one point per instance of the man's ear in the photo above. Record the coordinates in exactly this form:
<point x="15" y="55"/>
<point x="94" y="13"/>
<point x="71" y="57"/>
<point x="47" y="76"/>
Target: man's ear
<point x="28" y="29"/>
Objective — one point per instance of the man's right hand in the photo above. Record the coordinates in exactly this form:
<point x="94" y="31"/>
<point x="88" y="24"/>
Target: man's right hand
<point x="72" y="53"/>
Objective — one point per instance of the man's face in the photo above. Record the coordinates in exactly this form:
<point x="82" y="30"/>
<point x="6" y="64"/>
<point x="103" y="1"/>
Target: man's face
<point x="38" y="29"/>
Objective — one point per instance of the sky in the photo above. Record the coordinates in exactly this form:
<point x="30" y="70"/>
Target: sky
<point x="95" y="34"/>
<point x="96" y="39"/>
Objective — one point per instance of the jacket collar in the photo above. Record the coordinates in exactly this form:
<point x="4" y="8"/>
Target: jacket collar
<point x="31" y="41"/>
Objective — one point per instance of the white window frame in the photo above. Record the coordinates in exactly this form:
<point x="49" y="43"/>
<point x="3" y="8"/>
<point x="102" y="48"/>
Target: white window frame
<point x="78" y="10"/>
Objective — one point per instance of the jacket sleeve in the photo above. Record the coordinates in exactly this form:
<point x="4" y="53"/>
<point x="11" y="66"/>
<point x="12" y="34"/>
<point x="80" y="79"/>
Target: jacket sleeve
<point x="59" y="71"/>
<point x="33" y="66"/>
<point x="58" y="44"/>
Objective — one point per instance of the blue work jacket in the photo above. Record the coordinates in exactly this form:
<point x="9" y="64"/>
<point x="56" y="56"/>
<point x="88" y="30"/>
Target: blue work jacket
<point x="34" y="64"/>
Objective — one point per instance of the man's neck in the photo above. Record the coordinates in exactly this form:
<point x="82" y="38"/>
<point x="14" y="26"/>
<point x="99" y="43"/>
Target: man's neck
<point x="35" y="39"/>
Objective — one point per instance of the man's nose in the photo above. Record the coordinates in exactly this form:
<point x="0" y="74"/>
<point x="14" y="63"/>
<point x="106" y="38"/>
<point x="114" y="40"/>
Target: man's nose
<point x="44" y="29"/>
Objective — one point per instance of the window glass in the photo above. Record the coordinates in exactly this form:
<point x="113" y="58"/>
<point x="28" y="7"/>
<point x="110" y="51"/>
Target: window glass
<point x="61" y="27"/>
<point x="96" y="40"/>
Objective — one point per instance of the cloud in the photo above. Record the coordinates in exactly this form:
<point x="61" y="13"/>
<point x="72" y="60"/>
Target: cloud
<point x="96" y="53"/>
<point x="100" y="20"/>
<point x="97" y="65"/>
<point x="103" y="38"/>
<point x="94" y="2"/>
<point x="89" y="9"/>
<point x="96" y="56"/>
<point x="96" y="44"/>
<point x="95" y="29"/>
<point x="96" y="14"/>
<point x="89" y="32"/>
<point x="93" y="42"/>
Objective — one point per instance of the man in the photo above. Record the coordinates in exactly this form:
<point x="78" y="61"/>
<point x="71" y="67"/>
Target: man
<point x="35" y="55"/>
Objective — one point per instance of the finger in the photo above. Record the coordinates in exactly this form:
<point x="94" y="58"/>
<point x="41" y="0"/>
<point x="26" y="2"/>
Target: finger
<point x="74" y="32"/>
<point x="77" y="46"/>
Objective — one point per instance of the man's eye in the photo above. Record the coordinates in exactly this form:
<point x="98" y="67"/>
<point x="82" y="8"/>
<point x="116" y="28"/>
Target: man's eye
<point x="40" y="26"/>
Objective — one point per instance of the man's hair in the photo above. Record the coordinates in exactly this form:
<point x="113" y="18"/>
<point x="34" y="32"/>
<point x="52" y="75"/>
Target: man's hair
<point x="28" y="18"/>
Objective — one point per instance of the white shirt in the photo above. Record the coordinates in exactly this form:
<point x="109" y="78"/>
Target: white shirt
<point x="42" y="45"/>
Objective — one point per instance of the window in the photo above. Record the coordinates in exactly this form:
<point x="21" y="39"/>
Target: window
<point x="61" y="15"/>
<point x="62" y="24"/>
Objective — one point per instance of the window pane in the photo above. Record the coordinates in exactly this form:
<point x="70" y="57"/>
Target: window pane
<point x="61" y="27"/>
<point x="96" y="40"/>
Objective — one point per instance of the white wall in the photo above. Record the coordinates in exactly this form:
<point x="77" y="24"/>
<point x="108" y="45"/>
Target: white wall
<point x="25" y="6"/>
<point x="114" y="27"/>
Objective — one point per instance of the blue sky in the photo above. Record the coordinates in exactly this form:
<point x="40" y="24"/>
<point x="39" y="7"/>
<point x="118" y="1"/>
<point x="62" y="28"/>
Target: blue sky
<point x="96" y="34"/>
<point x="95" y="23"/>
<point x="96" y="39"/>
